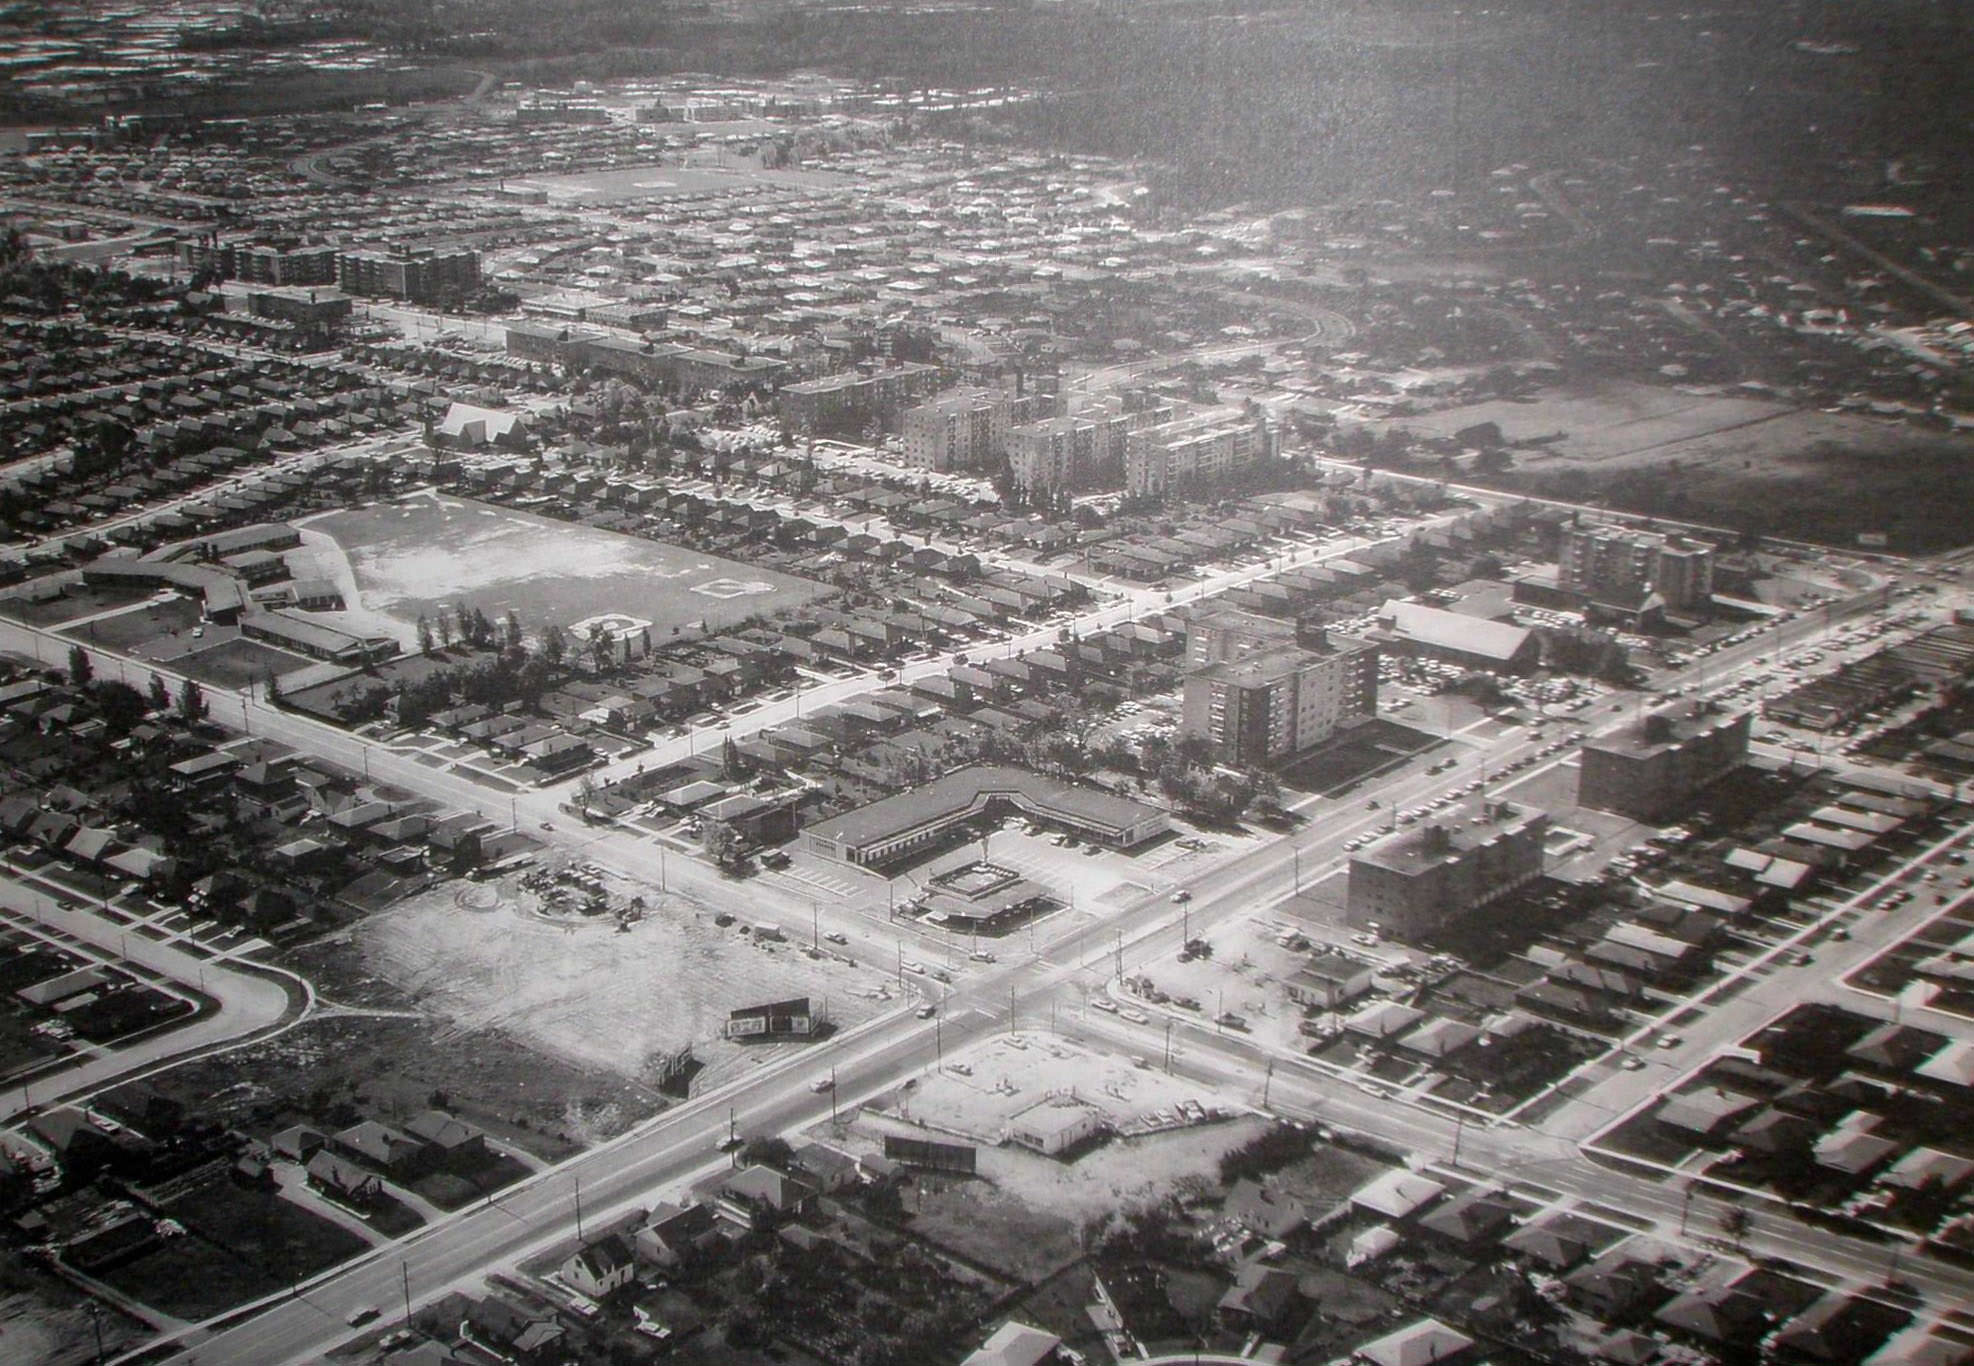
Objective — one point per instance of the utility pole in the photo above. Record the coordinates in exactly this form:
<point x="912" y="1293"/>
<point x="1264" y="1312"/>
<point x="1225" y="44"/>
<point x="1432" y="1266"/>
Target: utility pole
<point x="1267" y="1081"/>
<point x="1168" y="1048"/>
<point x="1459" y="1128"/>
<point x="832" y="1095"/>
<point x="579" y="1210"/>
<point x="1120" y="956"/>
<point x="404" y="1269"/>
<point x="1010" y="1010"/>
<point x="815" y="924"/>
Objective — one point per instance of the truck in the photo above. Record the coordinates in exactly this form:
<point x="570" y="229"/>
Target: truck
<point x="769" y="933"/>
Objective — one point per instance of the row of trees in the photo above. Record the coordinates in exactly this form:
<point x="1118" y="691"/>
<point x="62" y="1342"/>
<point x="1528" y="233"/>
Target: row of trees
<point x="123" y="707"/>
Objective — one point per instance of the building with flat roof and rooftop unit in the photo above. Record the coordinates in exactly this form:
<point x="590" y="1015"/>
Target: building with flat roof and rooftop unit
<point x="1620" y="571"/>
<point x="1217" y="635"/>
<point x="1652" y="768"/>
<point x="1267" y="708"/>
<point x="1412" y="882"/>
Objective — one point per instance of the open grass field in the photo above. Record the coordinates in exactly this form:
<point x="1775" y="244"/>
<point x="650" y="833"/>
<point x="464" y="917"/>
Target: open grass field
<point x="237" y="663"/>
<point x="1732" y="461"/>
<point x="136" y="629"/>
<point x="426" y="554"/>
<point x="671" y="182"/>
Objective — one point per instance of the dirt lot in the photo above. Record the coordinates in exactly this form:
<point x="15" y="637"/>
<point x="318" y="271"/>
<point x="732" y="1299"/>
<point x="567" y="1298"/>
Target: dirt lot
<point x="426" y="553"/>
<point x="44" y="1320"/>
<point x="578" y="990"/>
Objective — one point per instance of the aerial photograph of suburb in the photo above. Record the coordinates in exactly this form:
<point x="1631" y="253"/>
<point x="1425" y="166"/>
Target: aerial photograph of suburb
<point x="986" y="682"/>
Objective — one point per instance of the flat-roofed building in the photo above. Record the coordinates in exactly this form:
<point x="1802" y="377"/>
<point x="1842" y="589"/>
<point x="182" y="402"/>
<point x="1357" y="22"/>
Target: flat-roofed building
<point x="851" y="402"/>
<point x="962" y="430"/>
<point x="1412" y="882"/>
<point x="1213" y="637"/>
<point x="917" y="821"/>
<point x="1623" y="568"/>
<point x="1266" y="708"/>
<point x="1652" y="768"/>
<point x="418" y="274"/>
<point x="1196" y="452"/>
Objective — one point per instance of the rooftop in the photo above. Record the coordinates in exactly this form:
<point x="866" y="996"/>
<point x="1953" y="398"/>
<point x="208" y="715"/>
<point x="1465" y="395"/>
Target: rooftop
<point x="1443" y="841"/>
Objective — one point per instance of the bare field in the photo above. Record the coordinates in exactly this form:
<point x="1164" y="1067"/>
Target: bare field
<point x="1604" y="422"/>
<point x="427" y="554"/>
<point x="582" y="992"/>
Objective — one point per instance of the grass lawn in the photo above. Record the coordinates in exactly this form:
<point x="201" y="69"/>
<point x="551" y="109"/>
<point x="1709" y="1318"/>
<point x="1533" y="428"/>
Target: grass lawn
<point x="237" y="663"/>
<point x="75" y="601"/>
<point x="427" y="555"/>
<point x="129" y="629"/>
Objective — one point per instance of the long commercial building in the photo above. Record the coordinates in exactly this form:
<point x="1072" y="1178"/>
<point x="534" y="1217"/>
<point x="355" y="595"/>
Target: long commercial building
<point x="1266" y="708"/>
<point x="1412" y="882"/>
<point x="1652" y="769"/>
<point x="917" y="821"/>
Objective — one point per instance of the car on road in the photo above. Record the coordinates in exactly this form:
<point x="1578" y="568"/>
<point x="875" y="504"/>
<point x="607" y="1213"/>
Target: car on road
<point x="1103" y="1003"/>
<point x="821" y="1084"/>
<point x="361" y="1315"/>
<point x="1181" y="897"/>
<point x="1632" y="1063"/>
<point x="911" y="966"/>
<point x="835" y="938"/>
<point x="1671" y="1041"/>
<point x="927" y="1011"/>
<point x="1134" y="1015"/>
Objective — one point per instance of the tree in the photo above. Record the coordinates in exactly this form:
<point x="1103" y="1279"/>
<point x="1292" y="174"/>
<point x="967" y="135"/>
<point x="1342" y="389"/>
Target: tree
<point x="553" y="644"/>
<point x="120" y="705"/>
<point x="424" y="635"/>
<point x="80" y="670"/>
<point x="159" y="695"/>
<point x="513" y="630"/>
<point x="191" y="703"/>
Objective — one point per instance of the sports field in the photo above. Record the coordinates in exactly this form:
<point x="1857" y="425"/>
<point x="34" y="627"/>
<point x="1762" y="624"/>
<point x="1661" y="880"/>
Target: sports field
<point x="427" y="554"/>
<point x="670" y="182"/>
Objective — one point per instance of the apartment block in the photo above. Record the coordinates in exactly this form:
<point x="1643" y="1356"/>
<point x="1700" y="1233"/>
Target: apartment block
<point x="1652" y="769"/>
<point x="419" y="275"/>
<point x="261" y="263"/>
<point x="1084" y="450"/>
<point x="1412" y="882"/>
<point x="963" y="430"/>
<point x="1621" y="568"/>
<point x="1195" y="452"/>
<point x="852" y="402"/>
<point x="1265" y="708"/>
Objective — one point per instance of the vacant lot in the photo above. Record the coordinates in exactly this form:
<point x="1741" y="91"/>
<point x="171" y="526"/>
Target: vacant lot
<point x="614" y="1003"/>
<point x="427" y="555"/>
<point x="1749" y="464"/>
<point x="46" y="1321"/>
